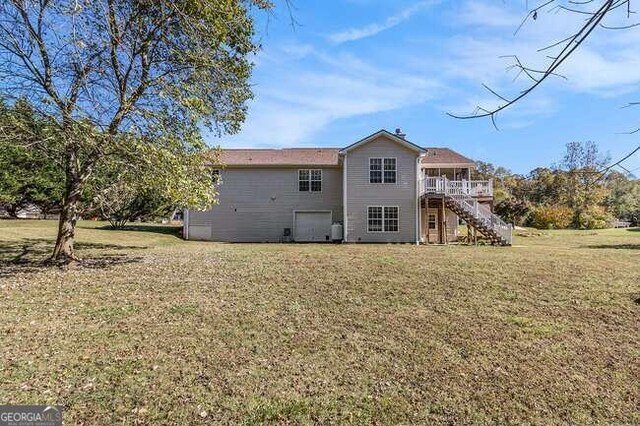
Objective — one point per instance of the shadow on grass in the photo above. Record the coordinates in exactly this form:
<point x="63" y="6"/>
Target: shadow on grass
<point x="633" y="229"/>
<point x="173" y="230"/>
<point x="615" y="246"/>
<point x="30" y="254"/>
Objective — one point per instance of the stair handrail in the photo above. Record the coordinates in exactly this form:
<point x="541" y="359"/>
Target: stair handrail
<point x="458" y="191"/>
<point x="469" y="203"/>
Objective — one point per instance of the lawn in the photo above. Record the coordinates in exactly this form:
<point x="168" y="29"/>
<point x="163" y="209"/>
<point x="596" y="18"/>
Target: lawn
<point x="156" y="330"/>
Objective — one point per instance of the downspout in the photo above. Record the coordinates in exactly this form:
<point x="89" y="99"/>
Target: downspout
<point x="418" y="218"/>
<point x="185" y="231"/>
<point x="344" y="199"/>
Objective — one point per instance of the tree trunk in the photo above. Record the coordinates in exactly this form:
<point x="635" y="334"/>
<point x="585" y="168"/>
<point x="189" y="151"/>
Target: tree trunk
<point x="63" y="251"/>
<point x="12" y="210"/>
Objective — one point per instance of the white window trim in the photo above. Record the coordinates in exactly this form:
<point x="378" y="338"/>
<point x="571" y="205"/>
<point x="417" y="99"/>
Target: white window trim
<point x="219" y="181"/>
<point x="383" y="182"/>
<point x="369" y="231"/>
<point x="321" y="180"/>
<point x="383" y="231"/>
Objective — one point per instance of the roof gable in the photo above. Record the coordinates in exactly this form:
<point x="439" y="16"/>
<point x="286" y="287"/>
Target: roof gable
<point x="389" y="135"/>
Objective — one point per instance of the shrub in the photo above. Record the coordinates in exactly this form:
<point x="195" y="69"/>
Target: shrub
<point x="551" y="217"/>
<point x="513" y="210"/>
<point x="594" y="217"/>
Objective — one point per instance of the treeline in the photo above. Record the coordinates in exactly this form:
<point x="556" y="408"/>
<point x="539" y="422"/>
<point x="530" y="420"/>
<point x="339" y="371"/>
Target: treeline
<point x="579" y="192"/>
<point x="130" y="183"/>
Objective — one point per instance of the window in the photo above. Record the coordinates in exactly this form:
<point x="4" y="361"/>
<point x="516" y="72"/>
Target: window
<point x="382" y="170"/>
<point x="310" y="180"/>
<point x="382" y="219"/>
<point x="432" y="221"/>
<point x="374" y="219"/>
<point x="316" y="180"/>
<point x="390" y="171"/>
<point x="390" y="219"/>
<point x="375" y="170"/>
<point x="215" y="176"/>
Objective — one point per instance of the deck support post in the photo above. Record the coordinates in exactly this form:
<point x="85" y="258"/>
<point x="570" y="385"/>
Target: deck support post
<point x="443" y="221"/>
<point x="426" y="209"/>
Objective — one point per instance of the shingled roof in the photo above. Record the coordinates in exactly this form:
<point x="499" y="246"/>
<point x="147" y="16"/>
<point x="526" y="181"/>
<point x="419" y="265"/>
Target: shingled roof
<point x="324" y="157"/>
<point x="281" y="157"/>
<point x="446" y="157"/>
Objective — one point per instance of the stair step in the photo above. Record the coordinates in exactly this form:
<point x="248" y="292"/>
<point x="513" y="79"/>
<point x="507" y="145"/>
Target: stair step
<point x="484" y="225"/>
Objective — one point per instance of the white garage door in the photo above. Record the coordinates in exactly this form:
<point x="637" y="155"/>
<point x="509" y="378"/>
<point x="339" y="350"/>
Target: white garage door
<point x="312" y="226"/>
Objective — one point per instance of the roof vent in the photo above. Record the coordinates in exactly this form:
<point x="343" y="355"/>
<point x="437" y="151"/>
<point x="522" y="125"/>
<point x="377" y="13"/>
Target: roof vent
<point x="400" y="133"/>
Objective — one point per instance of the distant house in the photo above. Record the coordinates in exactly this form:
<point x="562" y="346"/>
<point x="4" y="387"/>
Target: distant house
<point x="28" y="212"/>
<point x="381" y="189"/>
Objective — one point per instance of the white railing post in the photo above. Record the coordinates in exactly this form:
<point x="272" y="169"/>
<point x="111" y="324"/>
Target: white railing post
<point x="463" y="193"/>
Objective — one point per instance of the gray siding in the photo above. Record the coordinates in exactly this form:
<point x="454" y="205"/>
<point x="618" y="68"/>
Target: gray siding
<point x="255" y="205"/>
<point x="361" y="193"/>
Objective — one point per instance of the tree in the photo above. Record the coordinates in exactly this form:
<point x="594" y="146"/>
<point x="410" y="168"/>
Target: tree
<point x="27" y="177"/>
<point x="137" y="185"/>
<point x="499" y="174"/>
<point x="565" y="195"/>
<point x="583" y="196"/>
<point x="155" y="71"/>
<point x="623" y="199"/>
<point x="513" y="210"/>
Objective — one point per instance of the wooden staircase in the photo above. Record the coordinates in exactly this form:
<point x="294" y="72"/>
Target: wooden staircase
<point x="458" y="200"/>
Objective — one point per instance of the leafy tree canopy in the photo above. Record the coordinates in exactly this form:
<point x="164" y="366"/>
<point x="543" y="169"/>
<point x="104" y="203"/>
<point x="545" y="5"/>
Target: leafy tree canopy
<point x="28" y="177"/>
<point x="114" y="76"/>
<point x="574" y="193"/>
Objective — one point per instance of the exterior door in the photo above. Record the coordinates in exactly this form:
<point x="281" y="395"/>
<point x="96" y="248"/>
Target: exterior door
<point x="432" y="226"/>
<point x="312" y="226"/>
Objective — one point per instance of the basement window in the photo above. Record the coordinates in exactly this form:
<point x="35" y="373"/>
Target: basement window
<point x="382" y="219"/>
<point x="310" y="180"/>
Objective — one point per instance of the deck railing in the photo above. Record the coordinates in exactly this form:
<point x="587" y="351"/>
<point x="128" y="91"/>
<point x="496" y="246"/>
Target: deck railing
<point x="463" y="194"/>
<point x="475" y="188"/>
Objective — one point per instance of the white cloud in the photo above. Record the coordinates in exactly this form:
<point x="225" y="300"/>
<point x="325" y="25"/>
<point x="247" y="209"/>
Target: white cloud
<point x="302" y="89"/>
<point x="370" y="30"/>
<point x="478" y="13"/>
<point x="536" y="105"/>
<point x="607" y="64"/>
<point x="602" y="72"/>
<point x="294" y="102"/>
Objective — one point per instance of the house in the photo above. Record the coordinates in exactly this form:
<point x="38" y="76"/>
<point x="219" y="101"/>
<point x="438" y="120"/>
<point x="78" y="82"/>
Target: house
<point x="381" y="189"/>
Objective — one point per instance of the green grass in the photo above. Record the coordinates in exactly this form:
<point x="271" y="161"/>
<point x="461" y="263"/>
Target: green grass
<point x="156" y="330"/>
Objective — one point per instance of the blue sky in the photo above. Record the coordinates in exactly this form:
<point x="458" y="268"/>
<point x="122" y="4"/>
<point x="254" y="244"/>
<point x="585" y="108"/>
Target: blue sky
<point x="352" y="67"/>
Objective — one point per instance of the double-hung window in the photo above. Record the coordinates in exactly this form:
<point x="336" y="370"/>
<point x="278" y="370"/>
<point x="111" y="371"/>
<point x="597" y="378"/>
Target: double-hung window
<point x="382" y="219"/>
<point x="383" y="170"/>
<point x="310" y="180"/>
